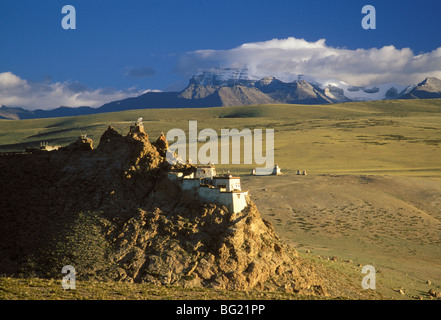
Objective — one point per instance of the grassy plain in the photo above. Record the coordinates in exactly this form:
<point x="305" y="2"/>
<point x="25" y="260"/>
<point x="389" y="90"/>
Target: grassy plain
<point x="372" y="194"/>
<point x="383" y="137"/>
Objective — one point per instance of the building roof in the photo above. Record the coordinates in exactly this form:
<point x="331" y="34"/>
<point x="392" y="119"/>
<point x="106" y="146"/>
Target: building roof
<point x="225" y="177"/>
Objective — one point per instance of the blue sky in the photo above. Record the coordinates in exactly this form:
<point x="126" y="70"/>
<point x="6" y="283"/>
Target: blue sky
<point x="121" y="48"/>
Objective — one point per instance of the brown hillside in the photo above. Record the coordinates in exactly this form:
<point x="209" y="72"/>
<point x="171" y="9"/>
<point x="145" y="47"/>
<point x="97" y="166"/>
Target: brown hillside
<point x="113" y="214"/>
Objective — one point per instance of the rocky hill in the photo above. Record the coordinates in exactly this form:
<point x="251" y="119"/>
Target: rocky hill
<point x="113" y="214"/>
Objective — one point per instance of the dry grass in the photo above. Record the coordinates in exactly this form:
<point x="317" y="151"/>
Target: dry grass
<point x="393" y="223"/>
<point x="40" y="289"/>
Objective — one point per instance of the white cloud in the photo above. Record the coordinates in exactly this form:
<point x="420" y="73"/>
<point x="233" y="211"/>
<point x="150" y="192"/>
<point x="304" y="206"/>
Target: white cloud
<point x="287" y="58"/>
<point x="9" y="80"/>
<point x="18" y="92"/>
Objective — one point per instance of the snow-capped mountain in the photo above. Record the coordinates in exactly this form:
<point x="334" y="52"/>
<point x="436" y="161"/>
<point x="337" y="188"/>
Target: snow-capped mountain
<point x="238" y="86"/>
<point x="363" y="93"/>
<point x="429" y="88"/>
<point x="332" y="89"/>
<point x="224" y="77"/>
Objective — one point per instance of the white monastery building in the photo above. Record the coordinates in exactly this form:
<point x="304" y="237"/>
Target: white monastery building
<point x="207" y="186"/>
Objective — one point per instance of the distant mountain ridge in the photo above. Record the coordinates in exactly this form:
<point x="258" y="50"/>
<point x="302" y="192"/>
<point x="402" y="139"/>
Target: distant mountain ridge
<point x="236" y="86"/>
<point x="23" y="114"/>
<point x="430" y="88"/>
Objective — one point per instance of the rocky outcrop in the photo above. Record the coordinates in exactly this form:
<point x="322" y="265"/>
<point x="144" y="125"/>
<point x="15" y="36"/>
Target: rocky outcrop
<point x="161" y="145"/>
<point x="113" y="214"/>
<point x="82" y="144"/>
<point x="434" y="294"/>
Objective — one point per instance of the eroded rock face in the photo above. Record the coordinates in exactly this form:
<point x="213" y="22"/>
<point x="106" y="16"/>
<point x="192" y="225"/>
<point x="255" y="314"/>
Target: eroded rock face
<point x="113" y="214"/>
<point x="161" y="145"/>
<point x="82" y="144"/>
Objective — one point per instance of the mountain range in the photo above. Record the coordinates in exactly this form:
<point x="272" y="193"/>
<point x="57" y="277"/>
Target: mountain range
<point x="235" y="86"/>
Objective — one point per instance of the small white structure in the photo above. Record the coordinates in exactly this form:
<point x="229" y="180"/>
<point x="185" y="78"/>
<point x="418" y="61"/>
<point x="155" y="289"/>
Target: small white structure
<point x="267" y="171"/>
<point x="276" y="170"/>
<point x="235" y="201"/>
<point x="207" y="186"/>
<point x="205" y="171"/>
<point x="229" y="183"/>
